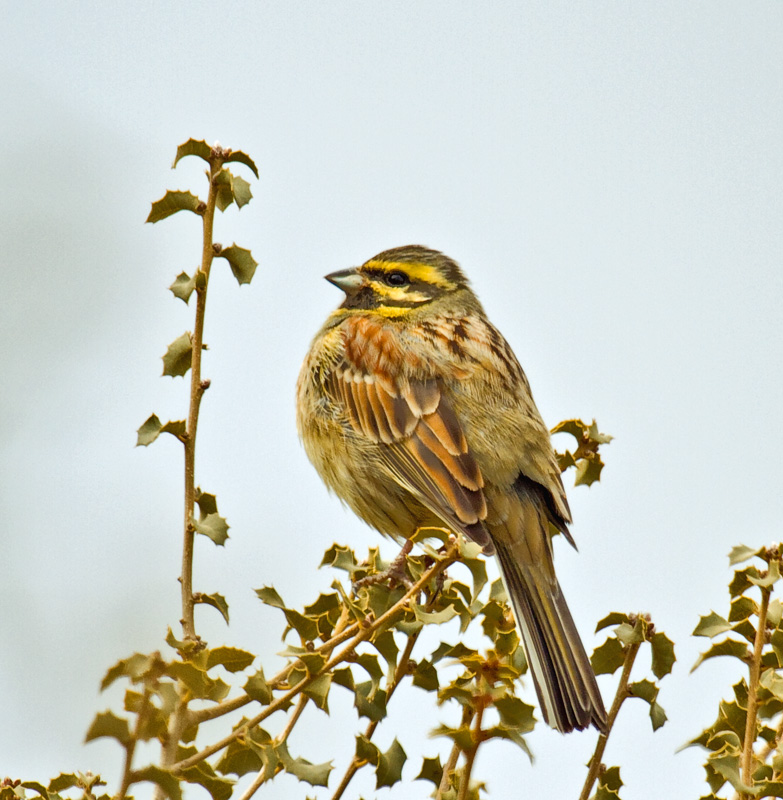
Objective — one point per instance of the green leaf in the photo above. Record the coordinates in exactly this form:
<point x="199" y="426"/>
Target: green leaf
<point x="203" y="775"/>
<point x="183" y="287"/>
<point x="193" y="147"/>
<point x="462" y="736"/>
<point x="435" y="617"/>
<point x="133" y="667"/>
<point x="171" y="202"/>
<point x="390" y="763"/>
<point x="742" y="553"/>
<point x="197" y="681"/>
<point x="107" y="724"/>
<point x="148" y="432"/>
<point x="663" y="657"/>
<point x="340" y="557"/>
<point x="318" y="691"/>
<point x="596" y="436"/>
<point x="588" y="471"/>
<point x="515" y="714"/>
<point x="630" y="634"/>
<point x="608" y="657"/>
<point x="371" y="706"/>
<point x="772" y="576"/>
<point x="178" y="356"/>
<point x="258" y="689"/>
<point x="243" y="158"/>
<point x="304" y="626"/>
<point x="216" y="601"/>
<point x="425" y="676"/>
<point x="161" y="777"/>
<point x="65" y="780"/>
<point x="207" y="503"/>
<point x="478" y="569"/>
<point x="241" y="261"/>
<point x="614" y="618"/>
<point x="367" y="751"/>
<point x="729" y="647"/>
<point x="431" y="770"/>
<point x="742" y="580"/>
<point x="657" y="716"/>
<point x="314" y="774"/>
<point x="36" y="787"/>
<point x="232" y="658"/>
<point x="214" y="526"/>
<point x="268" y="595"/>
<point x="743" y="607"/>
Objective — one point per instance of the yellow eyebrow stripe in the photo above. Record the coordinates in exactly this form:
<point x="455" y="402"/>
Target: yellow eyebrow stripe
<point x="427" y="273"/>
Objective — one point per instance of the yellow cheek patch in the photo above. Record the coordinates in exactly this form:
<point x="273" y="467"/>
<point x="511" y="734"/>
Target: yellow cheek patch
<point x="398" y="294"/>
<point x="416" y="271"/>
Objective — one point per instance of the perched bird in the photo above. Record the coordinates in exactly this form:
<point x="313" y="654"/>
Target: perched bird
<point x="415" y="411"/>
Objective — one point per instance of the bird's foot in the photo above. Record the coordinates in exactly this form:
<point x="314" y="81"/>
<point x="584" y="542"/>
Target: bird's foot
<point x="393" y="575"/>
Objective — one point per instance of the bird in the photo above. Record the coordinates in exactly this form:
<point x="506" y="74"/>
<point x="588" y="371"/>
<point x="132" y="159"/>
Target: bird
<point x="416" y="413"/>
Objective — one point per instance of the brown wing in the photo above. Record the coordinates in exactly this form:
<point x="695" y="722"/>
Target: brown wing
<point x="421" y="442"/>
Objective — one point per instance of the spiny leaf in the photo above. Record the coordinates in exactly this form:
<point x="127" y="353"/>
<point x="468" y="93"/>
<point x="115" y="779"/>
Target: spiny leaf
<point x="318" y="691"/>
<point x="772" y="576"/>
<point x="161" y="777"/>
<point x="425" y="676"/>
<point x="36" y="787"/>
<point x="232" y="658"/>
<point x="107" y="724"/>
<point x="314" y="774"/>
<point x="193" y="147"/>
<point x="516" y="714"/>
<point x="431" y="770"/>
<point x="663" y="657"/>
<point x="171" y="202"/>
<point x="257" y="688"/>
<point x="214" y="526"/>
<point x="588" y="471"/>
<point x="742" y="553"/>
<point x="204" y="775"/>
<point x="608" y="657"/>
<point x="216" y="601"/>
<point x="148" y="432"/>
<point x="390" y="764"/>
<point x="177" y="359"/>
<point x="183" y="286"/>
<point x="614" y="618"/>
<point x="241" y="261"/>
<point x="243" y="158"/>
<point x="729" y="647"/>
<point x="133" y="667"/>
<point x="340" y="557"/>
<point x="65" y="780"/>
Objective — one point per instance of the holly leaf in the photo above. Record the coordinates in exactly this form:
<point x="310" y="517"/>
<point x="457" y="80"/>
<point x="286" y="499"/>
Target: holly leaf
<point x="389" y="769"/>
<point x="241" y="261"/>
<point x="172" y="202"/>
<point x="178" y="356"/>
<point x="183" y="286"/>
<point x="213" y="526"/>
<point x="243" y="158"/>
<point x="608" y="657"/>
<point x="109" y="725"/>
<point x="216" y="601"/>
<point x="193" y="147"/>
<point x="232" y="658"/>
<point x="161" y="777"/>
<point x="258" y="689"/>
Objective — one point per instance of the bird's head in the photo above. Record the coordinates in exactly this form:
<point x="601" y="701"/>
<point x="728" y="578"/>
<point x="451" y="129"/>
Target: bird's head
<point x="397" y="282"/>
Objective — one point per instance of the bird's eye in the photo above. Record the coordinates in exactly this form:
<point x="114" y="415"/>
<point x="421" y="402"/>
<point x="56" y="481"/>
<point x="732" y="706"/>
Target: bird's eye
<point x="397" y="279"/>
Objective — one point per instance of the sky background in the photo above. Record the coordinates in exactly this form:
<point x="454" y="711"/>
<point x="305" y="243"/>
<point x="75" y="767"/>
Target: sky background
<point x="609" y="176"/>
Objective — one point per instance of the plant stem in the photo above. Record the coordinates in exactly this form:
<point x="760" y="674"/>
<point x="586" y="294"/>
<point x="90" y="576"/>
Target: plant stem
<point x="470" y="756"/>
<point x="450" y="765"/>
<point x="399" y="674"/>
<point x="364" y="633"/>
<point x="621" y="695"/>
<point x="197" y="388"/>
<point x="130" y="747"/>
<point x="263" y="775"/>
<point x="753" y="685"/>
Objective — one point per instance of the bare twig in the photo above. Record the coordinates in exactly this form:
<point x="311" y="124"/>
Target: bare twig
<point x="753" y="685"/>
<point x="451" y="763"/>
<point x="621" y="695"/>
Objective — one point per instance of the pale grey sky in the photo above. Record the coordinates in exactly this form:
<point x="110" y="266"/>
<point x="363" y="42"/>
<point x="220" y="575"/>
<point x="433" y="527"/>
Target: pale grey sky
<point x="608" y="174"/>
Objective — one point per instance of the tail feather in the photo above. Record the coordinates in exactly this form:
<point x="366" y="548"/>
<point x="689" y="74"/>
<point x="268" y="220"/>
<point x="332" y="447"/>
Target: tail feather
<point x="562" y="675"/>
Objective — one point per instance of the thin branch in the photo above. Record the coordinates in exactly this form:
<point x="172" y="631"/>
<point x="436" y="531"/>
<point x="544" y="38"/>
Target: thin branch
<point x="451" y="764"/>
<point x="470" y="756"/>
<point x="227" y="706"/>
<point x="753" y="686"/>
<point x="197" y="388"/>
<point x="130" y="747"/>
<point x="262" y="776"/>
<point x="399" y="674"/>
<point x="619" y="698"/>
<point x="364" y="633"/>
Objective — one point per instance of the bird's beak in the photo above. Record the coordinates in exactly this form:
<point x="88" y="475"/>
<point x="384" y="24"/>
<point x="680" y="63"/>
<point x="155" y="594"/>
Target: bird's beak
<point x="349" y="280"/>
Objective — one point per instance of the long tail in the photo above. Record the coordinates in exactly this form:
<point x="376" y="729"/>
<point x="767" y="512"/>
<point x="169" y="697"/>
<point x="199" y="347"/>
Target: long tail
<point x="565" y="683"/>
